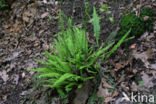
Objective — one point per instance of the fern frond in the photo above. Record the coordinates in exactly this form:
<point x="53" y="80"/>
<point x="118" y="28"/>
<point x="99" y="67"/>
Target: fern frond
<point x="96" y="24"/>
<point x="118" y="44"/>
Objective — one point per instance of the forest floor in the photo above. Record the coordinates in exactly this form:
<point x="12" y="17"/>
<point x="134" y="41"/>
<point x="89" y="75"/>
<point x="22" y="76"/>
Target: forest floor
<point x="29" y="29"/>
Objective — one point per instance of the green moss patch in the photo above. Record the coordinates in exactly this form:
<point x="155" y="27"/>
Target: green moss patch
<point x="138" y="25"/>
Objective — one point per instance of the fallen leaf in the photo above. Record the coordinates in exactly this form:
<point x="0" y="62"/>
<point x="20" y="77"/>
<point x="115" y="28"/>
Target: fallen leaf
<point x="4" y="97"/>
<point x="16" y="27"/>
<point x="147" y="81"/>
<point x="115" y="93"/>
<point x="153" y="66"/>
<point x="23" y="74"/>
<point x="13" y="56"/>
<point x="15" y="79"/>
<point x="121" y="79"/>
<point x="26" y="19"/>
<point x="149" y="53"/>
<point x="108" y="99"/>
<point x="105" y="84"/>
<point x="36" y="45"/>
<point x="122" y="8"/>
<point x="103" y="92"/>
<point x="31" y="73"/>
<point x="118" y="66"/>
<point x="125" y="87"/>
<point x="134" y="87"/>
<point x="138" y="6"/>
<point x="4" y="75"/>
<point x="133" y="46"/>
<point x="45" y="46"/>
<point x="119" y="101"/>
<point x="44" y="15"/>
<point x="6" y="26"/>
<point x="142" y="56"/>
<point x="146" y="18"/>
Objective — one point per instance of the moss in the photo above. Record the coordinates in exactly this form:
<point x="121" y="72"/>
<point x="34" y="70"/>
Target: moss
<point x="149" y="22"/>
<point x="137" y="24"/>
<point x="131" y="21"/>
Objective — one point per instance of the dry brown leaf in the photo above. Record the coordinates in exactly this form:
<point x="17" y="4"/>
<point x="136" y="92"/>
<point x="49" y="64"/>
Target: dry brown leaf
<point x="13" y="56"/>
<point x="16" y="27"/>
<point x="36" y="44"/>
<point x="108" y="99"/>
<point x="122" y="8"/>
<point x="121" y="79"/>
<point x="134" y="86"/>
<point x="15" y="79"/>
<point x="4" y="97"/>
<point x="115" y="93"/>
<point x="119" y="66"/>
<point x="153" y="66"/>
<point x="45" y="46"/>
<point x="103" y="92"/>
<point x="6" y="26"/>
<point x="23" y="74"/>
<point x="147" y="81"/>
<point x="105" y="84"/>
<point x="133" y="46"/>
<point x="125" y="87"/>
<point x="31" y="73"/>
<point x="146" y="18"/>
<point x="25" y="18"/>
<point x="149" y="53"/>
<point x="4" y="75"/>
<point x="142" y="56"/>
<point x="138" y="6"/>
<point x="44" y="15"/>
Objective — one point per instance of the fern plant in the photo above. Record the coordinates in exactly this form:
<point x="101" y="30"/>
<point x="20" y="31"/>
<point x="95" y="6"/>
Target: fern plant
<point x="71" y="61"/>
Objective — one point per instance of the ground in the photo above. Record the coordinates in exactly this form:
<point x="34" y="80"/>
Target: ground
<point x="29" y="29"/>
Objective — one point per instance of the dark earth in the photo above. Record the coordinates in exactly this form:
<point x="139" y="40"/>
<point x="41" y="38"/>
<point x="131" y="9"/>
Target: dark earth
<point x="29" y="28"/>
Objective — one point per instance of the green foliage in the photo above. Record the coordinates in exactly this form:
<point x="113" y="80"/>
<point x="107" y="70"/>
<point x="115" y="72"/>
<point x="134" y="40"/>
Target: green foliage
<point x="3" y="3"/>
<point x="149" y="22"/>
<point x="111" y="37"/>
<point x="86" y="15"/>
<point x="104" y="8"/>
<point x="141" y="83"/>
<point x="137" y="24"/>
<point x="111" y="19"/>
<point x="96" y="24"/>
<point x="131" y="21"/>
<point x="72" y="62"/>
<point x="118" y="44"/>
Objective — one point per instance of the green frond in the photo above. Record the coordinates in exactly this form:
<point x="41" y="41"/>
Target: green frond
<point x="118" y="44"/>
<point x="96" y="24"/>
<point x="62" y="79"/>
